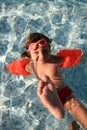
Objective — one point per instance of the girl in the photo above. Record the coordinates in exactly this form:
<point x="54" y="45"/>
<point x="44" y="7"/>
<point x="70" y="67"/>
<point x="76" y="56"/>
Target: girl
<point x="44" y="63"/>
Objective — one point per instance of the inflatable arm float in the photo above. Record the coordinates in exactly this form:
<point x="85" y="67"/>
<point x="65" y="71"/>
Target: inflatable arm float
<point x="70" y="58"/>
<point x="17" y="67"/>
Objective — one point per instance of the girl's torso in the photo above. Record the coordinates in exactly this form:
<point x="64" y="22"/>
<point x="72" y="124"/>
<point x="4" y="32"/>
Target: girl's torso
<point x="50" y="68"/>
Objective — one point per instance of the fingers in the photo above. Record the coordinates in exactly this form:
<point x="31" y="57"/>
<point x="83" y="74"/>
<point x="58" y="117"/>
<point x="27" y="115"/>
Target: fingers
<point x="44" y="85"/>
<point x="40" y="87"/>
<point x="45" y="78"/>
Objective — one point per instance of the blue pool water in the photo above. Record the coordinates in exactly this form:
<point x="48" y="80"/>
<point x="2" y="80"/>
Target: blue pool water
<point x="65" y="21"/>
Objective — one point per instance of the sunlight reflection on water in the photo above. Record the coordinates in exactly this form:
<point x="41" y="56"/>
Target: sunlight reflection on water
<point x="65" y="22"/>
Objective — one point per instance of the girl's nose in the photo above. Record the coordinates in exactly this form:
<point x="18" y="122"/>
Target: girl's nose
<point x="41" y="55"/>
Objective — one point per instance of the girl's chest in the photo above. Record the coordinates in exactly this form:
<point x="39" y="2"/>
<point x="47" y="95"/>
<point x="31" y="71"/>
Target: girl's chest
<point x="47" y="69"/>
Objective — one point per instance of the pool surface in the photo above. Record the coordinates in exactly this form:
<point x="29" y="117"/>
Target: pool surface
<point x="64" y="21"/>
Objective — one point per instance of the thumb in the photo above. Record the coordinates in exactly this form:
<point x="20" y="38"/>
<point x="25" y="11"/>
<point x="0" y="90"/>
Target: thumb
<point x="45" y="78"/>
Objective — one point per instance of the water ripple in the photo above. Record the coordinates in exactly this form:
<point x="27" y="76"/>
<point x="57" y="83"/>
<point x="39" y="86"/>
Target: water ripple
<point x="65" y="21"/>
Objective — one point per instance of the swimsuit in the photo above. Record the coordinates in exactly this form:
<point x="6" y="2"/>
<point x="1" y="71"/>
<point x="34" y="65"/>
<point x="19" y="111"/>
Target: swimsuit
<point x="64" y="94"/>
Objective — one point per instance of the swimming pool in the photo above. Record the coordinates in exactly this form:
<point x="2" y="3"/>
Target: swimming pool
<point x="64" y="21"/>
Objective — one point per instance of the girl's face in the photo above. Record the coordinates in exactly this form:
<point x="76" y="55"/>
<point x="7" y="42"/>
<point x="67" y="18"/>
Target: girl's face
<point x="40" y="55"/>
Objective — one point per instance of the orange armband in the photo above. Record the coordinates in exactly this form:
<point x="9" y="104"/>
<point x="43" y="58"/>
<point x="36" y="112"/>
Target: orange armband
<point x="18" y="67"/>
<point x="70" y="57"/>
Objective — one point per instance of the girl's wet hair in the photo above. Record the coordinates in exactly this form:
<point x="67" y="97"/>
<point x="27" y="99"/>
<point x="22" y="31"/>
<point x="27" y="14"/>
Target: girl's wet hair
<point x="34" y="37"/>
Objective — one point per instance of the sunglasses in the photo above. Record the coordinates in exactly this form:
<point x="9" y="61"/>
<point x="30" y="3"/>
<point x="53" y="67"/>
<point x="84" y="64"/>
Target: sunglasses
<point x="34" y="46"/>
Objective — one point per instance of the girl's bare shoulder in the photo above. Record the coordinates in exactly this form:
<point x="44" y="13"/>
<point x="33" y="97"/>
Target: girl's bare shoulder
<point x="28" y="66"/>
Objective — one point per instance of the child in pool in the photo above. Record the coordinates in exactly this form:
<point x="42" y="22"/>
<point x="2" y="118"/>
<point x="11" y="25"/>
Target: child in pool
<point x="44" y="63"/>
<point x="38" y="49"/>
